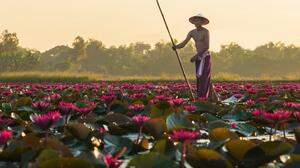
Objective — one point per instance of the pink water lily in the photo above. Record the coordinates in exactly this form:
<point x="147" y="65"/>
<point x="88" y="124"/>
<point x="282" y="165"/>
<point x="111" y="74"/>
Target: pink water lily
<point x="176" y="102"/>
<point x="5" y="136"/>
<point x="84" y="110"/>
<point x="292" y="105"/>
<point x="66" y="108"/>
<point x="250" y="102"/>
<point x="45" y="121"/>
<point x="186" y="137"/>
<point x="88" y="108"/>
<point x="53" y="98"/>
<point x="41" y="105"/>
<point x="136" y="107"/>
<point x="262" y="99"/>
<point x="297" y="115"/>
<point x="112" y="162"/>
<point x="137" y="96"/>
<point x="140" y="119"/>
<point x="233" y="125"/>
<point x="278" y="115"/>
<point x="183" y="135"/>
<point x="190" y="108"/>
<point x="107" y="98"/>
<point x="258" y="112"/>
<point x="102" y="130"/>
<point x="159" y="98"/>
<point x="238" y="95"/>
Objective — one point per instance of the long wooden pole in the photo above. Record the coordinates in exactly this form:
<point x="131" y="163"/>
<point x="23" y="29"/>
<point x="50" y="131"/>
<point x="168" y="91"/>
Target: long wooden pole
<point x="176" y="52"/>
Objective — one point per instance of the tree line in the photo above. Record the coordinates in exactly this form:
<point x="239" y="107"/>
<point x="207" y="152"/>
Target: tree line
<point x="143" y="59"/>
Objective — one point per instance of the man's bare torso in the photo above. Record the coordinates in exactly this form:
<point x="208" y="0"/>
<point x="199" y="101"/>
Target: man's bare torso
<point x="201" y="38"/>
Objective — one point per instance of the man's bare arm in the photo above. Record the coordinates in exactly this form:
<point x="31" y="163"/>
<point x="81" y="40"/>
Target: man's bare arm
<point x="206" y="42"/>
<point x="183" y="44"/>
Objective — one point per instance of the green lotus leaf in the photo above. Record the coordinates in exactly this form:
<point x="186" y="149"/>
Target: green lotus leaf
<point x="178" y="121"/>
<point x="78" y="130"/>
<point x="152" y="160"/>
<point x="113" y="144"/>
<point x="155" y="127"/>
<point x="221" y="134"/>
<point x="203" y="158"/>
<point x="66" y="163"/>
<point x="238" y="148"/>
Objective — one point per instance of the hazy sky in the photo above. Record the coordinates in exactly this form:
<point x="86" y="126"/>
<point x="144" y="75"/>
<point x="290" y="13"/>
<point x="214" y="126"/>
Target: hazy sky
<point x="42" y="24"/>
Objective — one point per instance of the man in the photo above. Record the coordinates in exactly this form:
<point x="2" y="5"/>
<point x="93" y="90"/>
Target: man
<point x="202" y="59"/>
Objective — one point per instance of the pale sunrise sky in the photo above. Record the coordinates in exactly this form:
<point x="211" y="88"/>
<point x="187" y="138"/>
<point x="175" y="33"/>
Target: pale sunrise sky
<point x="43" y="24"/>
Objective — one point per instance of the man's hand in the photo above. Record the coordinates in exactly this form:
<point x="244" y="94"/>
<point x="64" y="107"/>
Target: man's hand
<point x="194" y="58"/>
<point x="174" y="47"/>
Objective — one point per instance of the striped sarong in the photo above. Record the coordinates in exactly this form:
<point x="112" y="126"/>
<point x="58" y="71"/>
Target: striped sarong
<point x="203" y="75"/>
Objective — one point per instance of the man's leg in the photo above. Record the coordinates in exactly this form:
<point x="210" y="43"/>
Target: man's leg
<point x="198" y="80"/>
<point x="204" y="86"/>
<point x="203" y="82"/>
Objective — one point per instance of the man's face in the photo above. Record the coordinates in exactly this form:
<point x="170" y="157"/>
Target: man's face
<point x="198" y="24"/>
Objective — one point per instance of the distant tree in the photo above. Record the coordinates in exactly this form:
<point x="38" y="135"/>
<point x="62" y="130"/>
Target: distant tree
<point x="8" y="42"/>
<point x="56" y="59"/>
<point x="140" y="48"/>
<point x="96" y="57"/>
<point x="79" y="46"/>
<point x="23" y="60"/>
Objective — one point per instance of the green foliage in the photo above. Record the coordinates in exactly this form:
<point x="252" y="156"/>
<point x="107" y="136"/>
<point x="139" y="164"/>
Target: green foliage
<point x="178" y="121"/>
<point x="206" y="158"/>
<point x="114" y="144"/>
<point x="141" y="59"/>
<point x="151" y="160"/>
<point x="79" y="131"/>
<point x="66" y="163"/>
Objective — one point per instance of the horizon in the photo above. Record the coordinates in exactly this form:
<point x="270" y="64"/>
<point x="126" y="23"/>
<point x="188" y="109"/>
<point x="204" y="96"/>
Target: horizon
<point x="43" y="25"/>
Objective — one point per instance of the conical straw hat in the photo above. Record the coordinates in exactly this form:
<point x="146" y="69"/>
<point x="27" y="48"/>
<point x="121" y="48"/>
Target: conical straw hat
<point x="199" y="19"/>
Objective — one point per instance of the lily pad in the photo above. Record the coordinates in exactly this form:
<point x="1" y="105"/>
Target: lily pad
<point x="204" y="158"/>
<point x="164" y="146"/>
<point x="217" y="124"/>
<point x="178" y="121"/>
<point x="113" y="144"/>
<point x="155" y="127"/>
<point x="118" y="119"/>
<point x="293" y="162"/>
<point x="118" y="107"/>
<point x="204" y="107"/>
<point x="161" y="109"/>
<point x="79" y="131"/>
<point x="47" y="154"/>
<point x="66" y="163"/>
<point x="219" y="134"/>
<point x="238" y="148"/>
<point x="14" y="151"/>
<point x="245" y="129"/>
<point x="276" y="148"/>
<point x="231" y="100"/>
<point x="238" y="116"/>
<point x="152" y="160"/>
<point x="23" y="101"/>
<point x="209" y="117"/>
<point x="266" y="152"/>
